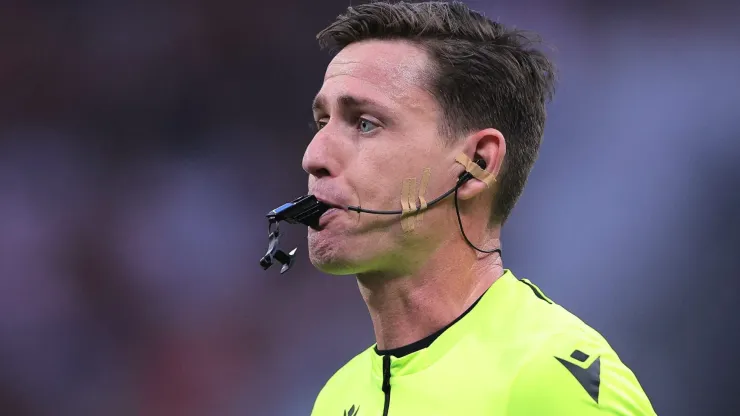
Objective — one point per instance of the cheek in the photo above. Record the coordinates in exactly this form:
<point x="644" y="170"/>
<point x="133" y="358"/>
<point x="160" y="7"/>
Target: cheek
<point x="376" y="178"/>
<point x="382" y="166"/>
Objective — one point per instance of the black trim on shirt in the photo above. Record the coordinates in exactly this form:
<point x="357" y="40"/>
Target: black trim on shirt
<point x="424" y="342"/>
<point x="537" y="291"/>
<point x="386" y="384"/>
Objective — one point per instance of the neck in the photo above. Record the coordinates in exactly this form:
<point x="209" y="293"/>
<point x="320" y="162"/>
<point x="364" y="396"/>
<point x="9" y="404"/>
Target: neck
<point x="407" y="308"/>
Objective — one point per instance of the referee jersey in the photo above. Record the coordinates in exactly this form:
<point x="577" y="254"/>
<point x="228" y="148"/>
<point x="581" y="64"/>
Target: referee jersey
<point x="514" y="352"/>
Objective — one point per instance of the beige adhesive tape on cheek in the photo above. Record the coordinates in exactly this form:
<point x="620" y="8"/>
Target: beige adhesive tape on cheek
<point x="411" y="213"/>
<point x="406" y="218"/>
<point x="412" y="199"/>
<point x="422" y="191"/>
<point x="475" y="170"/>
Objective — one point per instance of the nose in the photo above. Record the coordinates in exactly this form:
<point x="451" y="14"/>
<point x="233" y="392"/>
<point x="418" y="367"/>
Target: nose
<point x="317" y="160"/>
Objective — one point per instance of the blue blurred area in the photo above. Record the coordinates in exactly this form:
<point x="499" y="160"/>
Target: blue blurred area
<point x="141" y="144"/>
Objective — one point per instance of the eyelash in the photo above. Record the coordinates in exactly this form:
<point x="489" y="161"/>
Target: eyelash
<point x="314" y="126"/>
<point x="317" y="125"/>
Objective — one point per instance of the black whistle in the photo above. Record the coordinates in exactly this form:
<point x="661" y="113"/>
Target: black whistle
<point x="274" y="253"/>
<point x="305" y="210"/>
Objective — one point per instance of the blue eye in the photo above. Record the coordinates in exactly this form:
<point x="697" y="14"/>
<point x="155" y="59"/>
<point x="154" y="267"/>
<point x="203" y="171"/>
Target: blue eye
<point x="366" y="126"/>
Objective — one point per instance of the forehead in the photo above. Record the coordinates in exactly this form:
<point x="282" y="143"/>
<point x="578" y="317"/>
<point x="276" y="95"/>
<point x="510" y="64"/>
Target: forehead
<point x="392" y="72"/>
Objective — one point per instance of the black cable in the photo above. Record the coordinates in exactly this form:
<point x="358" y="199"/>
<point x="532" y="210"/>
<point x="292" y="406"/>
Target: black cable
<point x="399" y="212"/>
<point x="464" y="178"/>
<point x="459" y="221"/>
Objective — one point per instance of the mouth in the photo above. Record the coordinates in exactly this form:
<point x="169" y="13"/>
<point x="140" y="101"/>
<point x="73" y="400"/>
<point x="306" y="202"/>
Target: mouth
<point x="325" y="218"/>
<point x="330" y="213"/>
<point x="329" y="203"/>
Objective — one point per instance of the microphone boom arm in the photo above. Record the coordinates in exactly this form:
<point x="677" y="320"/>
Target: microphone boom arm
<point x="399" y="212"/>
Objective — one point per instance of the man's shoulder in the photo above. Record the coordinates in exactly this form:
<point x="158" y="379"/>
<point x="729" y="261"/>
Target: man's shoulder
<point x="575" y="370"/>
<point x="567" y="366"/>
<point x="577" y="375"/>
<point x="538" y="321"/>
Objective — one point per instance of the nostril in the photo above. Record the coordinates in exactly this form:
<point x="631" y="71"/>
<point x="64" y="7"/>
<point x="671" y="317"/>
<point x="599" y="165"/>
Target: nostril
<point x="321" y="172"/>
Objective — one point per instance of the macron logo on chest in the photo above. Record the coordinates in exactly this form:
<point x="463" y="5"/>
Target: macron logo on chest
<point x="352" y="411"/>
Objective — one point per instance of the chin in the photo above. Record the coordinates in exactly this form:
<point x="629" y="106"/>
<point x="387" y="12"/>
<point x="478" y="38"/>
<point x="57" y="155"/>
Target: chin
<point x="334" y="255"/>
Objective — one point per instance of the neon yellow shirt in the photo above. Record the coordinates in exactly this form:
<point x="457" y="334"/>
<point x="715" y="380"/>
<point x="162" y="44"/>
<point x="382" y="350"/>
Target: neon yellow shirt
<point x="514" y="352"/>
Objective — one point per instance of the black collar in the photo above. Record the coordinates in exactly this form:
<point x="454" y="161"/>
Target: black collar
<point x="424" y="342"/>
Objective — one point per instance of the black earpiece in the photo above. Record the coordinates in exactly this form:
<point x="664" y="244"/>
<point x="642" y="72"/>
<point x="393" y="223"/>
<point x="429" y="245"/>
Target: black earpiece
<point x="466" y="176"/>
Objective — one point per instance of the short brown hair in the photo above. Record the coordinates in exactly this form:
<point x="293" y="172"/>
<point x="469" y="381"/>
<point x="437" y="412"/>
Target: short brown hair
<point x="485" y="75"/>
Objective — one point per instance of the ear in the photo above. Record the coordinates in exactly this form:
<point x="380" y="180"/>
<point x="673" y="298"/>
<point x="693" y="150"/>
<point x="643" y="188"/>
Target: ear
<point x="489" y="145"/>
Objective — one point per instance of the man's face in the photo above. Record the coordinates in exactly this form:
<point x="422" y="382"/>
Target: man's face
<point x="378" y="126"/>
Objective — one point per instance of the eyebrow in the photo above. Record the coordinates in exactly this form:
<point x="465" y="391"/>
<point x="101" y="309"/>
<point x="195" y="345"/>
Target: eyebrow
<point x="347" y="101"/>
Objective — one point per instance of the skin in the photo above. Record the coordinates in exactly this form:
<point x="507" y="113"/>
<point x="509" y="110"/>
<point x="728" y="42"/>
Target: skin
<point x="378" y="125"/>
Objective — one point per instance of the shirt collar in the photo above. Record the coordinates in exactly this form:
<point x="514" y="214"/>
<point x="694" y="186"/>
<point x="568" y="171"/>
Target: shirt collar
<point x="422" y="354"/>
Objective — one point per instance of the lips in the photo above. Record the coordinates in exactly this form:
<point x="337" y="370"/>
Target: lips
<point x="334" y="209"/>
<point x="330" y="202"/>
<point x="325" y="218"/>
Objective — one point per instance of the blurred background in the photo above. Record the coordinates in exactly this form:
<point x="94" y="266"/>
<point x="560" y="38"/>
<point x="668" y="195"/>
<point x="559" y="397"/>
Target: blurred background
<point x="142" y="143"/>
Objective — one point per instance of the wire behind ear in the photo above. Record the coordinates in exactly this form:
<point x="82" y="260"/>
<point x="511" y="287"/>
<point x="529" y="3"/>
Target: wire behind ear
<point x="464" y="177"/>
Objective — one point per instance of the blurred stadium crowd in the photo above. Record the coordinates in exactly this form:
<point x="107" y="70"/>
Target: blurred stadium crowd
<point x="142" y="142"/>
